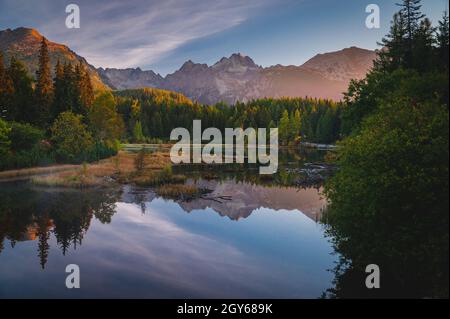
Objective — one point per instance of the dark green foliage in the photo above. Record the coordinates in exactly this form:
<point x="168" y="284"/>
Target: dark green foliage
<point x="26" y="147"/>
<point x="59" y="101"/>
<point x="21" y="107"/>
<point x="70" y="136"/>
<point x="24" y="136"/>
<point x="5" y="141"/>
<point x="389" y="199"/>
<point x="425" y="52"/>
<point x="73" y="142"/>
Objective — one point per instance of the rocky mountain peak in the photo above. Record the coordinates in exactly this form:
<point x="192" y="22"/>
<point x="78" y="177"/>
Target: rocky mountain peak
<point x="348" y="63"/>
<point x="237" y="62"/>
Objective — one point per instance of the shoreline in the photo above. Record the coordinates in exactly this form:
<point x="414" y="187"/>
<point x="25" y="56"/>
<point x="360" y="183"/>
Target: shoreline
<point x="24" y="173"/>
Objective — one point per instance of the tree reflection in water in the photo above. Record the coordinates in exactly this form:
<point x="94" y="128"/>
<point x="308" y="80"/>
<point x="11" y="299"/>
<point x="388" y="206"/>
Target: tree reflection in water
<point x="28" y="213"/>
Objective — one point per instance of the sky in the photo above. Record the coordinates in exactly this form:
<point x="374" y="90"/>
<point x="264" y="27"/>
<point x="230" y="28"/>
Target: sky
<point x="162" y="34"/>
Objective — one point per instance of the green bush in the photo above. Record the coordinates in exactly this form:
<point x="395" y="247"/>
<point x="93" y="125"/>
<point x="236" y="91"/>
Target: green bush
<point x="24" y="136"/>
<point x="72" y="141"/>
<point x="4" y="138"/>
<point x="38" y="155"/>
<point x="100" y="151"/>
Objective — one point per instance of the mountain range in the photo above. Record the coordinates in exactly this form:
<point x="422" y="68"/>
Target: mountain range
<point x="236" y="78"/>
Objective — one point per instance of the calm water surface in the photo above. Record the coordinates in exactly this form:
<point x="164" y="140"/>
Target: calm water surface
<point x="128" y="242"/>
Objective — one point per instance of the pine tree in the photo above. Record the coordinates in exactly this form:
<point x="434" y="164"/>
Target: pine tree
<point x="410" y="10"/>
<point x="138" y="136"/>
<point x="6" y="91"/>
<point x="68" y="86"/>
<point x="443" y="40"/>
<point x="297" y="123"/>
<point x="77" y="105"/>
<point x="22" y="108"/>
<point x="292" y="127"/>
<point x="392" y="54"/>
<point x="59" y="101"/>
<point x="283" y="128"/>
<point x="85" y="88"/>
<point x="325" y="127"/>
<point x="423" y="54"/>
<point x="157" y="125"/>
<point x="44" y="86"/>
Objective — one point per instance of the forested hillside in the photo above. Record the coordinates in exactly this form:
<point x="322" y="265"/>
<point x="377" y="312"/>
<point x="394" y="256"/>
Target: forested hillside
<point x="153" y="113"/>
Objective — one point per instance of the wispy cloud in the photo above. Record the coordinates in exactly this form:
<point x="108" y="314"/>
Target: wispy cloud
<point x="117" y="33"/>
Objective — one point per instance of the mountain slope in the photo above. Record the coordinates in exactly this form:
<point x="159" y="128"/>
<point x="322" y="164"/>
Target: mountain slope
<point x="349" y="63"/>
<point x="24" y="43"/>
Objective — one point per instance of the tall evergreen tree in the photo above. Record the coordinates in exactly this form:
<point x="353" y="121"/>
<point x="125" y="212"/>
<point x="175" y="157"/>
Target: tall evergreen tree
<point x="297" y="123"/>
<point x="6" y="91"/>
<point x="68" y="85"/>
<point x="44" y="86"/>
<point x="85" y="88"/>
<point x="283" y="128"/>
<point x="21" y="108"/>
<point x="410" y="10"/>
<point x="423" y="54"/>
<point x="392" y="54"/>
<point x="60" y="98"/>
<point x="443" y="40"/>
<point x="77" y="106"/>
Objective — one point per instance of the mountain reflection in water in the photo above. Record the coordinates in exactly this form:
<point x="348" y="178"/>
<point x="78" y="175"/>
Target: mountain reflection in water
<point x="130" y="243"/>
<point x="245" y="198"/>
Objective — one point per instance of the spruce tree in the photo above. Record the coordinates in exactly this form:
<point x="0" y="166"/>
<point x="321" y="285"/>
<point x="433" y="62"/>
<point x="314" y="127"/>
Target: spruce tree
<point x="283" y="128"/>
<point x="6" y="91"/>
<point x="68" y="86"/>
<point x="443" y="40"/>
<point x="78" y="108"/>
<point x="410" y="10"/>
<point x="22" y="108"/>
<point x="85" y="88"/>
<point x="59" y="100"/>
<point x="392" y="54"/>
<point x="44" y="86"/>
<point x="423" y="54"/>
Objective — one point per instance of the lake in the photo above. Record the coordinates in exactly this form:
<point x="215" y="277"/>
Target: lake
<point x="249" y="237"/>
